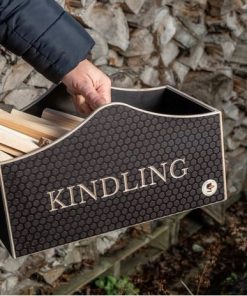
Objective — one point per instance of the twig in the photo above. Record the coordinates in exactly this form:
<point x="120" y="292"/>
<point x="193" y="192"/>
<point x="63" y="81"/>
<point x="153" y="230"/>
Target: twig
<point x="186" y="287"/>
<point x="200" y="280"/>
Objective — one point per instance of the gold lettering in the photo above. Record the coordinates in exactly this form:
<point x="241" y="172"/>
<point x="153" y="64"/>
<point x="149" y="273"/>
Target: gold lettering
<point x="69" y="193"/>
<point x="157" y="173"/>
<point x="142" y="177"/>
<point x="126" y="186"/>
<point x="172" y="168"/>
<point x="55" y="200"/>
<point x="72" y="197"/>
<point x="105" y="193"/>
<point x="93" y="193"/>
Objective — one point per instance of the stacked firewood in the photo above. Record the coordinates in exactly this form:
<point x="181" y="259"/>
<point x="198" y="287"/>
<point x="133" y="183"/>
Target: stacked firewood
<point x="21" y="132"/>
<point x="198" y="46"/>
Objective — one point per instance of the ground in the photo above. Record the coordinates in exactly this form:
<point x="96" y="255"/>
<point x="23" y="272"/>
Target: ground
<point x="212" y="261"/>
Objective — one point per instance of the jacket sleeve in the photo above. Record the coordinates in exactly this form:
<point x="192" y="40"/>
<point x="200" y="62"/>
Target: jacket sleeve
<point x="47" y="37"/>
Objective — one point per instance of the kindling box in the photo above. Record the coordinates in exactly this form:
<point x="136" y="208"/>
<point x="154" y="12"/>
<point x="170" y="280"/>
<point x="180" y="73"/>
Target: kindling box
<point x="149" y="154"/>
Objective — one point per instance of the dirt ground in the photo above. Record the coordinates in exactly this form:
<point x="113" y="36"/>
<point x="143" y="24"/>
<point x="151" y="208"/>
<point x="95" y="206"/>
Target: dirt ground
<point x="212" y="261"/>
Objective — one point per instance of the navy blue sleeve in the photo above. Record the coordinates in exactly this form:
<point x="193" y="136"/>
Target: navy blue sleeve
<point x="47" y="37"/>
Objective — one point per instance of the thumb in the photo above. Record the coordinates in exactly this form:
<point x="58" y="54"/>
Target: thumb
<point x="93" y="98"/>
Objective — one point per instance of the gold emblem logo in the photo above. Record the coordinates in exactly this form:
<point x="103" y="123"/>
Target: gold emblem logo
<point x="209" y="187"/>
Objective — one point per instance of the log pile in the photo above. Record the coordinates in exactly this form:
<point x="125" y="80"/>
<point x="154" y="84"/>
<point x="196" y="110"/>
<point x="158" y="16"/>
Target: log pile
<point x="199" y="46"/>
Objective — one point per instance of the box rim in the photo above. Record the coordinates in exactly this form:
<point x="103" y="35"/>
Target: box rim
<point x="6" y="210"/>
<point x="60" y="139"/>
<point x="181" y="93"/>
<point x="223" y="155"/>
<point x="53" y="87"/>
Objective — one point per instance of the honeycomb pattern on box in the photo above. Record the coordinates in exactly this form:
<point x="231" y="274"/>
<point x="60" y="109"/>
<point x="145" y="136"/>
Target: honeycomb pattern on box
<point x="116" y="142"/>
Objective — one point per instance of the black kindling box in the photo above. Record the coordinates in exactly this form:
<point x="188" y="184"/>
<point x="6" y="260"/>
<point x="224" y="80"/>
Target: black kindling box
<point x="149" y="154"/>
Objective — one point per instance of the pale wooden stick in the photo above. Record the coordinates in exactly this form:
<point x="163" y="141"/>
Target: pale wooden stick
<point x="10" y="139"/>
<point x="11" y="151"/>
<point x="17" y="134"/>
<point x="62" y="119"/>
<point x="32" y="129"/>
<point x="4" y="156"/>
<point x="22" y="115"/>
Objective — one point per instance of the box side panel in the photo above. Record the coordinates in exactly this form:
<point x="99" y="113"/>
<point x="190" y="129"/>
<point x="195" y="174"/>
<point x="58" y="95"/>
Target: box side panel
<point x="4" y="233"/>
<point x="122" y="167"/>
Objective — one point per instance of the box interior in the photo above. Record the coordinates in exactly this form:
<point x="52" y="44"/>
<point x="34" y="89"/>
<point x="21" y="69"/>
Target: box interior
<point x="164" y="101"/>
<point x="159" y="100"/>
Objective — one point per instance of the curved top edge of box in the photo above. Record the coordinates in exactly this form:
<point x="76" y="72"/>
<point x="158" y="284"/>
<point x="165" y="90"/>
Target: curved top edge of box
<point x="216" y="112"/>
<point x="144" y="90"/>
<point x="179" y="92"/>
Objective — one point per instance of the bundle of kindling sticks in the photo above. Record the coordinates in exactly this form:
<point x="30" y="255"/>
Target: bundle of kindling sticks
<point x="21" y="133"/>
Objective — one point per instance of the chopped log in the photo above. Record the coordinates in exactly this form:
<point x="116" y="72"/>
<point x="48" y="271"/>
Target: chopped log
<point x="114" y="59"/>
<point x="141" y="43"/>
<point x="184" y="37"/>
<point x="100" y="50"/>
<point x="240" y="54"/>
<point x="150" y="76"/>
<point x="75" y="3"/>
<point x="65" y="120"/>
<point x="134" y="5"/>
<point x="15" y="75"/>
<point x="109" y="22"/>
<point x="233" y="23"/>
<point x="145" y="17"/>
<point x="165" y="25"/>
<point x="169" y="53"/>
<point x="122" y="79"/>
<point x="35" y="130"/>
<point x="194" y="57"/>
<point x="180" y="70"/>
<point x="22" y="96"/>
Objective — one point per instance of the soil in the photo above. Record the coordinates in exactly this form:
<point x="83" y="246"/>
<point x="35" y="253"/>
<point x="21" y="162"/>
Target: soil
<point x="212" y="261"/>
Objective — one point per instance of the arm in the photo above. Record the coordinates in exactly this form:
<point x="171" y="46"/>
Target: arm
<point x="49" y="39"/>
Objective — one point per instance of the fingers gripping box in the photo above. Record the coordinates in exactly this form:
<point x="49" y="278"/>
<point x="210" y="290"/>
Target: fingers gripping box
<point x="149" y="154"/>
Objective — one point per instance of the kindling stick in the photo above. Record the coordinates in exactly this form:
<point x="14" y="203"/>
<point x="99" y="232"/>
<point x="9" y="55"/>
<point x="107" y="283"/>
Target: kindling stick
<point x="33" y="129"/>
<point x="22" y="115"/>
<point x="4" y="156"/>
<point x="62" y="119"/>
<point x="17" y="142"/>
<point x="10" y="150"/>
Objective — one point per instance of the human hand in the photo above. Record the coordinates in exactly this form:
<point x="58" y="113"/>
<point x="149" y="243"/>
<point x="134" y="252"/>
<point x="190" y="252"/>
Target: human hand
<point x="89" y="87"/>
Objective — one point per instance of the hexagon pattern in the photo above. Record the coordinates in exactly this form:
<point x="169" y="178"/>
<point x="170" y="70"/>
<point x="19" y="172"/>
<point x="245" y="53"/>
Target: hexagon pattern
<point x="116" y="139"/>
